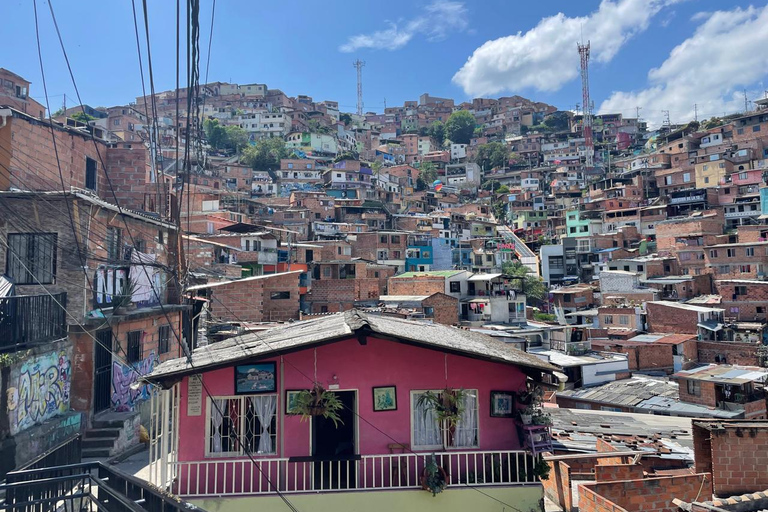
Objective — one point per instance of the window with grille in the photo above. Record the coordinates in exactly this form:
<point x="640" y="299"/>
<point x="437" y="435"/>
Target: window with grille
<point x="427" y="432"/>
<point x="31" y="258"/>
<point x="135" y="348"/>
<point x="114" y="243"/>
<point x="164" y="339"/>
<point x="243" y="424"/>
<point x="90" y="173"/>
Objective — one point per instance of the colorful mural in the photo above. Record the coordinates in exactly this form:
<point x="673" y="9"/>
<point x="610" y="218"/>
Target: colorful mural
<point x="124" y="397"/>
<point x="41" y="392"/>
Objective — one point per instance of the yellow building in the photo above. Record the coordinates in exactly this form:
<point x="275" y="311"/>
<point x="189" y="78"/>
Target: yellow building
<point x="710" y="174"/>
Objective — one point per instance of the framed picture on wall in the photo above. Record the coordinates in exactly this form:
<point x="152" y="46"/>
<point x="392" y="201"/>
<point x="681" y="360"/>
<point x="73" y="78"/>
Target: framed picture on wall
<point x="255" y="378"/>
<point x="385" y="398"/>
<point x="502" y="404"/>
<point x="290" y="401"/>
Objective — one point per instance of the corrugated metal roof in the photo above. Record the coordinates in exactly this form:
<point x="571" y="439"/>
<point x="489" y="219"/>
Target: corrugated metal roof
<point x="302" y="335"/>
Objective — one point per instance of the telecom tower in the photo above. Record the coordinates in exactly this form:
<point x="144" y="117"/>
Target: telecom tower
<point x="586" y="105"/>
<point x="359" y="66"/>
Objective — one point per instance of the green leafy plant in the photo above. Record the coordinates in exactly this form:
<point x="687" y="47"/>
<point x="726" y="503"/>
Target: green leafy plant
<point x="125" y="297"/>
<point x="542" y="418"/>
<point x="319" y="402"/>
<point x="448" y="405"/>
<point x="434" y="478"/>
<point x="541" y="468"/>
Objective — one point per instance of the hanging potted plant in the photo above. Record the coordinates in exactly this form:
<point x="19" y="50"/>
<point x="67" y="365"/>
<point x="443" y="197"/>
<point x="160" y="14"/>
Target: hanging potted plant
<point x="434" y="478"/>
<point x="541" y="418"/>
<point x="448" y="406"/>
<point x="319" y="402"/>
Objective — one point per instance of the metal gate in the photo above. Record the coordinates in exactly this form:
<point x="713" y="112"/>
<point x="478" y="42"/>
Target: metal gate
<point x="102" y="371"/>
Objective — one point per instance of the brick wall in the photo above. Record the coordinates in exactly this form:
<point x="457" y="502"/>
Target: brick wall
<point x="737" y="455"/>
<point x="640" y="356"/>
<point x="446" y="308"/>
<point x="416" y="285"/>
<point x="340" y="294"/>
<point x="644" y="495"/>
<point x="128" y="169"/>
<point x="672" y="320"/>
<point x="744" y="307"/>
<point x="251" y="300"/>
<point x="706" y="394"/>
<point x="734" y="353"/>
<point x="615" y="472"/>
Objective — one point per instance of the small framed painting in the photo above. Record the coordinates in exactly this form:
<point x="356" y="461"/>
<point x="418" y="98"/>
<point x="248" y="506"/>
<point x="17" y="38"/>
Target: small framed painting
<point x="290" y="401"/>
<point x="384" y="398"/>
<point x="502" y="404"/>
<point x="255" y="378"/>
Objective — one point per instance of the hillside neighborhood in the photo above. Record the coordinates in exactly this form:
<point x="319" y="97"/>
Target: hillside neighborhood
<point x="276" y="302"/>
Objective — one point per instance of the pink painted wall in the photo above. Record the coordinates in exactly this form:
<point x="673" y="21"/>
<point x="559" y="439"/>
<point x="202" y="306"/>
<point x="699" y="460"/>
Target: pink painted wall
<point x="361" y="367"/>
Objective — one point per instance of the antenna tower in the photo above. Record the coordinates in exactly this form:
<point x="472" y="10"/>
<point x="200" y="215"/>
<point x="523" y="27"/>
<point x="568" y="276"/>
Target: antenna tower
<point x="359" y="66"/>
<point x="586" y="105"/>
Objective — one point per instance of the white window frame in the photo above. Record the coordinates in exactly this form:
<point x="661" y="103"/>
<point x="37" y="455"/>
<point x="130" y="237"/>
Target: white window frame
<point x="443" y="431"/>
<point x="240" y="452"/>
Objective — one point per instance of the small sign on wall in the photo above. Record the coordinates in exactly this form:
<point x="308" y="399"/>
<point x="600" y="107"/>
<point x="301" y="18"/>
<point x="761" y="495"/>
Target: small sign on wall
<point x="195" y="395"/>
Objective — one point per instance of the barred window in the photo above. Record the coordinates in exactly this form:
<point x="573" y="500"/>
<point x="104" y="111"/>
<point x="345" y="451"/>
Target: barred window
<point x="31" y="258"/>
<point x="243" y="424"/>
<point x="114" y="243"/>
<point x="135" y="348"/>
<point x="164" y="339"/>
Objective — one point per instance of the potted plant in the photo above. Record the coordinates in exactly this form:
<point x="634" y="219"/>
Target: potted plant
<point x="123" y="301"/>
<point x="434" y="478"/>
<point x="448" y="405"/>
<point x="319" y="402"/>
<point x="526" y="415"/>
<point x="542" y="418"/>
<point x="541" y="468"/>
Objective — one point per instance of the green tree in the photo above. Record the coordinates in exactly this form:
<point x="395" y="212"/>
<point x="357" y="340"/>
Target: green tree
<point x="427" y="175"/>
<point x="478" y="132"/>
<point x="215" y="134"/>
<point x="437" y="132"/>
<point x="492" y="155"/>
<point x="712" y="122"/>
<point x="533" y="287"/>
<point x="266" y="154"/>
<point x="345" y="118"/>
<point x="460" y="127"/>
<point x="82" y="117"/>
<point x="557" y="121"/>
<point x="503" y="189"/>
<point x="236" y="138"/>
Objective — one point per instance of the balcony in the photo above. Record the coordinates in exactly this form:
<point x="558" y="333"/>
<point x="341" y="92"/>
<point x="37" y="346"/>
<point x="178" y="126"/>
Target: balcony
<point x="742" y="215"/>
<point x="687" y="197"/>
<point x="30" y="319"/>
<point x="241" y="477"/>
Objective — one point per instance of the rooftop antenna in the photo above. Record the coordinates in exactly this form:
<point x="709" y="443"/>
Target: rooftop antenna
<point x="586" y="105"/>
<point x="359" y="66"/>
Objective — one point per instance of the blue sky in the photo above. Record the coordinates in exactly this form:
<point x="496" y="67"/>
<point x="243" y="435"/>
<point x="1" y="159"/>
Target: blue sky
<point x="656" y="54"/>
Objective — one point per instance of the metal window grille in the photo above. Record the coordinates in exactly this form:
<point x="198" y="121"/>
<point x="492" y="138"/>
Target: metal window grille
<point x="164" y="339"/>
<point x="135" y="349"/>
<point x="31" y="258"/>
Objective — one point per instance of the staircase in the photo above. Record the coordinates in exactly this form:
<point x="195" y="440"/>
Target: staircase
<point x="112" y="433"/>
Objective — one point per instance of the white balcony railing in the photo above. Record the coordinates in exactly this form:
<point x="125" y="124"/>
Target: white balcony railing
<point x="236" y="477"/>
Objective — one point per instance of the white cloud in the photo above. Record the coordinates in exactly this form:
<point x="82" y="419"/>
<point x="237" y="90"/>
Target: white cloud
<point x="545" y="57"/>
<point x="725" y="54"/>
<point x="437" y="20"/>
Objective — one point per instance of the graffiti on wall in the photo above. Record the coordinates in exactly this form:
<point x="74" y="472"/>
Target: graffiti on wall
<point x="125" y="395"/>
<point x="42" y="390"/>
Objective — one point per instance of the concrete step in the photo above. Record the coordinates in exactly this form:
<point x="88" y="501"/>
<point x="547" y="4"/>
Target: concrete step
<point x="108" y="423"/>
<point x="111" y="433"/>
<point x="93" y="453"/>
<point x="98" y="442"/>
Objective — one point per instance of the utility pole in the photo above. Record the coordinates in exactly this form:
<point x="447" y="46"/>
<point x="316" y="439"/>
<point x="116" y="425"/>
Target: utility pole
<point x="637" y="112"/>
<point x="666" y="118"/>
<point x="358" y="64"/>
<point x="695" y="112"/>
<point x="746" y="102"/>
<point x="385" y="104"/>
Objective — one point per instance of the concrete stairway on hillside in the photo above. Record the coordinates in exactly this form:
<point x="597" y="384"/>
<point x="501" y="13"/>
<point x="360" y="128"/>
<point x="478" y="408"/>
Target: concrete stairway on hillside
<point x="112" y="433"/>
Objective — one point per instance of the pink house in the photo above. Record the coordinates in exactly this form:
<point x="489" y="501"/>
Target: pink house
<point x="232" y="436"/>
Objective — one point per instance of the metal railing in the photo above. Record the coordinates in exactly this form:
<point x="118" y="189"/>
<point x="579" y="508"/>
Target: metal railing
<point x="29" y="319"/>
<point x="67" y="452"/>
<point x="85" y="486"/>
<point x="221" y="477"/>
